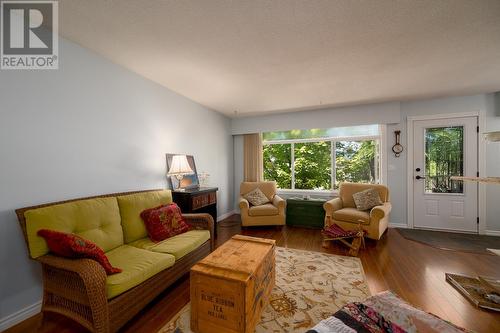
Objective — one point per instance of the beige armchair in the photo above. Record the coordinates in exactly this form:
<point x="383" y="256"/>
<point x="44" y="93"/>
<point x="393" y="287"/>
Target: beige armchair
<point x="272" y="213"/>
<point x="343" y="212"/>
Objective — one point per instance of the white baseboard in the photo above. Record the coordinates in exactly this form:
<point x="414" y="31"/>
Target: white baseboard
<point x="225" y="216"/>
<point x="17" y="317"/>
<point x="398" y="225"/>
<point x="492" y="232"/>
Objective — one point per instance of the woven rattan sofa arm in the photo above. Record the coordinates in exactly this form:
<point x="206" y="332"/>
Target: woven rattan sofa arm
<point x="202" y="221"/>
<point x="92" y="285"/>
<point x="79" y="266"/>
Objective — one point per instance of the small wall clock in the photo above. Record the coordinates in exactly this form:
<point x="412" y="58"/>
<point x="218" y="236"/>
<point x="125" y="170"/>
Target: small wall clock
<point x="397" y="149"/>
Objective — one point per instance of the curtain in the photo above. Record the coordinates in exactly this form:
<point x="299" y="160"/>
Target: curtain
<point x="252" y="158"/>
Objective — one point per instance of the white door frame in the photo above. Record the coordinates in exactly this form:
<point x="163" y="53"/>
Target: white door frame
<point x="481" y="163"/>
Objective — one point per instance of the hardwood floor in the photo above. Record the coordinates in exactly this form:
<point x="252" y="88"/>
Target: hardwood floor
<point x="412" y="270"/>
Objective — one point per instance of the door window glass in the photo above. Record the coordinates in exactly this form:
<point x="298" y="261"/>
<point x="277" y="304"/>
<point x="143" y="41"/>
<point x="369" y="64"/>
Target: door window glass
<point x="444" y="158"/>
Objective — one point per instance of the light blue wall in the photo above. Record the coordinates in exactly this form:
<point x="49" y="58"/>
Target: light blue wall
<point x="89" y="128"/>
<point x="397" y="167"/>
<point x="493" y="164"/>
<point x="380" y="113"/>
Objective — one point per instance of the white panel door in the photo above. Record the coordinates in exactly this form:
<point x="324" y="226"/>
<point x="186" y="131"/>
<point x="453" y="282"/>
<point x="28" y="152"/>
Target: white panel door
<point x="444" y="148"/>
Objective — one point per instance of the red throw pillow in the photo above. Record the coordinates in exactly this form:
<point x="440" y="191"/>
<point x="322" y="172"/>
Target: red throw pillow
<point x="73" y="246"/>
<point x="164" y="221"/>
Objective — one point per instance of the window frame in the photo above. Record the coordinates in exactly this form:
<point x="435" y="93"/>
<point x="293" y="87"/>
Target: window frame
<point x="380" y="139"/>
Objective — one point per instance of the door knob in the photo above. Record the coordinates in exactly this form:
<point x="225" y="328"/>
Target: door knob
<point x="419" y="177"/>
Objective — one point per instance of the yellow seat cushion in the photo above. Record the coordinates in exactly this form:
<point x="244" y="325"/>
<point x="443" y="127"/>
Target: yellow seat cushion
<point x="138" y="265"/>
<point x="178" y="246"/>
<point x="97" y="220"/>
<point x="263" y="210"/>
<point x="351" y="215"/>
<point x="131" y="207"/>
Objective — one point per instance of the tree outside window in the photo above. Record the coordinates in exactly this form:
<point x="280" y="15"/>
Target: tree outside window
<point x="444" y="158"/>
<point x="313" y="166"/>
<point x="304" y="162"/>
<point x="356" y="162"/>
<point x="278" y="164"/>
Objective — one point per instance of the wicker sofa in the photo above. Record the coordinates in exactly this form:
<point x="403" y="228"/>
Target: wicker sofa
<point x="80" y="288"/>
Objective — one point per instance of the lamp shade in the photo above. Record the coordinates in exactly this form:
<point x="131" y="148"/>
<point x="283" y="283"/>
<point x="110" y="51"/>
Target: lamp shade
<point x="180" y="166"/>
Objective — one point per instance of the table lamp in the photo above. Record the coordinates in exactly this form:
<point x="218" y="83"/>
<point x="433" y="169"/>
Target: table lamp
<point x="179" y="168"/>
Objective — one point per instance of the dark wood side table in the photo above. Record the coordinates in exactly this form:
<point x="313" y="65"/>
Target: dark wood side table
<point x="198" y="200"/>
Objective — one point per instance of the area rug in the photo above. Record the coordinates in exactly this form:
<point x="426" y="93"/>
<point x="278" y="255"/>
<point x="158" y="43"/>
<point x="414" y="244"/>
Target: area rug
<point x="310" y="286"/>
<point x="453" y="241"/>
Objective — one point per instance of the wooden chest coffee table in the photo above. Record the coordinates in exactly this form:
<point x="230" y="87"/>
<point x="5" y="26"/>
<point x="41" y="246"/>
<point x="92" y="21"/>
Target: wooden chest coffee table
<point x="231" y="286"/>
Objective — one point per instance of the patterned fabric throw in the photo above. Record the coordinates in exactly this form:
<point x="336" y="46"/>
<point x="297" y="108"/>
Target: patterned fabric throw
<point x="73" y="246"/>
<point x="364" y="318"/>
<point x="256" y="197"/>
<point x="164" y="221"/>
<point x="367" y="199"/>
<point x="384" y="313"/>
<point x="337" y="231"/>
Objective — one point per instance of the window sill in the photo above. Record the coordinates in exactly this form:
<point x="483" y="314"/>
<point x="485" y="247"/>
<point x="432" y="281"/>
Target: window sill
<point x="319" y="193"/>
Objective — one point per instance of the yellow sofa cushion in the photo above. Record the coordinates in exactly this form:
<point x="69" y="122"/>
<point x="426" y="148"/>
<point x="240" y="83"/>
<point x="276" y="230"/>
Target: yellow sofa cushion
<point x="178" y="246"/>
<point x="137" y="266"/>
<point x="263" y="210"/>
<point x="132" y="205"/>
<point x="97" y="220"/>
<point x="351" y="215"/>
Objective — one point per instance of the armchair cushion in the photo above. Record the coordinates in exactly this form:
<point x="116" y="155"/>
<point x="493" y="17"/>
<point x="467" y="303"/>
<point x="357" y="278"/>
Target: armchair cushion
<point x="351" y="215"/>
<point x="256" y="197"/>
<point x="347" y="190"/>
<point x="178" y="246"/>
<point x="138" y="265"/>
<point x="268" y="188"/>
<point x="367" y="199"/>
<point x="263" y="210"/>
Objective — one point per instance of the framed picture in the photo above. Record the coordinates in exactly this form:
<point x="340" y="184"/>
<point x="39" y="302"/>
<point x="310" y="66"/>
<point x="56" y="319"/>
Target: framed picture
<point x="188" y="181"/>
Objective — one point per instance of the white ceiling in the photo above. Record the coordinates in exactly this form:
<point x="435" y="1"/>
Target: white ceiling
<point x="265" y="56"/>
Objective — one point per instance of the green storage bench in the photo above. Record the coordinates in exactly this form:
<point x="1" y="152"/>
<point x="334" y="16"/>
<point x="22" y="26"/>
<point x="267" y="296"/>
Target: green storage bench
<point x="305" y="213"/>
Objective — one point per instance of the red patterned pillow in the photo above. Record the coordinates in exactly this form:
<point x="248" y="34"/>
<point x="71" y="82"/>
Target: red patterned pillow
<point x="164" y="221"/>
<point x="73" y="246"/>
